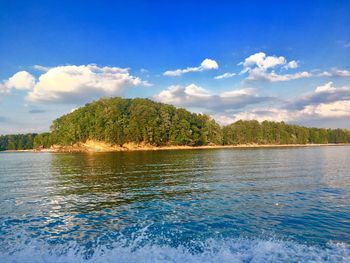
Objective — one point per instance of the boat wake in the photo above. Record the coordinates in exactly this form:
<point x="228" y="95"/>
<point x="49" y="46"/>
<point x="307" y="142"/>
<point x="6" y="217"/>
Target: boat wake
<point x="230" y="250"/>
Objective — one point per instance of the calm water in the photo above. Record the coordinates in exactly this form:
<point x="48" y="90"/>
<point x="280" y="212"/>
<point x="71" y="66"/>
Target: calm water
<point x="229" y="205"/>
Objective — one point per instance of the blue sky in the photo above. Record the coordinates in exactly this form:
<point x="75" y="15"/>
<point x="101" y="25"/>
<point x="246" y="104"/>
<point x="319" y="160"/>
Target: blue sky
<point x="284" y="60"/>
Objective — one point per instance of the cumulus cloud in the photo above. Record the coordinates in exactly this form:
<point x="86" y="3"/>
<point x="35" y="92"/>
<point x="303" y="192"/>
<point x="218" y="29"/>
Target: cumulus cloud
<point x="22" y="80"/>
<point x="193" y="96"/>
<point x="337" y="109"/>
<point x="334" y="109"/>
<point x="325" y="102"/>
<point x="323" y="94"/>
<point x="207" y="64"/>
<point x="65" y="84"/>
<point x="261" y="67"/>
<point x="226" y="75"/>
<point x="72" y="84"/>
<point x="262" y="61"/>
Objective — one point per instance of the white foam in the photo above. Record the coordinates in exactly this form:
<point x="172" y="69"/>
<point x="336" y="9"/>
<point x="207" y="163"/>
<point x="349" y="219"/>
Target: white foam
<point x="233" y="250"/>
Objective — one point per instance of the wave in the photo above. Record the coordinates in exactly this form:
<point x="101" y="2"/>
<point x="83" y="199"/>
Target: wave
<point x="230" y="250"/>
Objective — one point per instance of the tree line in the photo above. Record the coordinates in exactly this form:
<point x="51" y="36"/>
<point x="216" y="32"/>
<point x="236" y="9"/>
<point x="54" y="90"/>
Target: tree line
<point x="118" y="121"/>
<point x="270" y="132"/>
<point x="25" y="141"/>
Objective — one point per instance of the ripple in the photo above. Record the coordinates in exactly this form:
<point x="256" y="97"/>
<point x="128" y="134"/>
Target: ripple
<point x="176" y="206"/>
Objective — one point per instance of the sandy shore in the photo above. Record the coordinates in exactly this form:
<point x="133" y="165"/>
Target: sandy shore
<point x="95" y="146"/>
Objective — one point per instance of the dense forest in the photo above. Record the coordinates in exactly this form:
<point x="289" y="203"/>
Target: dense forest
<point x="118" y="121"/>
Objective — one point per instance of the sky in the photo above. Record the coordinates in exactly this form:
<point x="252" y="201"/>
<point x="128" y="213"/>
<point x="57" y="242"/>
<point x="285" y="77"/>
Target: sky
<point x="266" y="60"/>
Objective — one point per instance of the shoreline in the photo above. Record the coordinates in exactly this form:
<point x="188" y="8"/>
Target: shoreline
<point x="94" y="147"/>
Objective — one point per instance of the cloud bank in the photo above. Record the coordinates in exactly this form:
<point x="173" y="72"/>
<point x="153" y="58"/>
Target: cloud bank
<point x="193" y="96"/>
<point x="325" y="102"/>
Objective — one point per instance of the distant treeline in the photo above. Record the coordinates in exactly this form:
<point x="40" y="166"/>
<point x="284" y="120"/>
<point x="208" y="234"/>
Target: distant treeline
<point x="118" y="121"/>
<point x="269" y="132"/>
<point x="17" y="142"/>
<point x="24" y="141"/>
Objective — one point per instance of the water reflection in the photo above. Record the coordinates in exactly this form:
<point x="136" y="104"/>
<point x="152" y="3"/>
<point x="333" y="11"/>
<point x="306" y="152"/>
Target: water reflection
<point x="98" y="181"/>
<point x="175" y="197"/>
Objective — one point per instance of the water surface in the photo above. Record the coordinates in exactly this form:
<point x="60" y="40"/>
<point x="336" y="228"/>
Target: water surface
<point x="223" y="205"/>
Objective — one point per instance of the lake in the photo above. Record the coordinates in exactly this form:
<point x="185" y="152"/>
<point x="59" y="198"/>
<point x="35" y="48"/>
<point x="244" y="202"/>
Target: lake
<point x="222" y="205"/>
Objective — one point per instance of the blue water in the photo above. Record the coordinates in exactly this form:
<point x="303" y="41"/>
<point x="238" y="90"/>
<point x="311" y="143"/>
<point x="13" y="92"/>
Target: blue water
<point x="227" y="205"/>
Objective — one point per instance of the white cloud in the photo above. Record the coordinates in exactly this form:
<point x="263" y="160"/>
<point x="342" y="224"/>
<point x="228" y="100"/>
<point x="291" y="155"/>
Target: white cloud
<point x="193" y="96"/>
<point x="260" y="114"/>
<point x="347" y="45"/>
<point x="22" y="80"/>
<point x="207" y="64"/>
<point x="326" y="93"/>
<point x="262" y="61"/>
<point x="41" y="68"/>
<point x="261" y="67"/>
<point x="337" y="109"/>
<point x="336" y="73"/>
<point x="226" y="75"/>
<point x="291" y="65"/>
<point x="329" y="110"/>
<point x="182" y="96"/>
<point x="328" y="87"/>
<point x="257" y="74"/>
<point x="325" y="102"/>
<point x="76" y="84"/>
